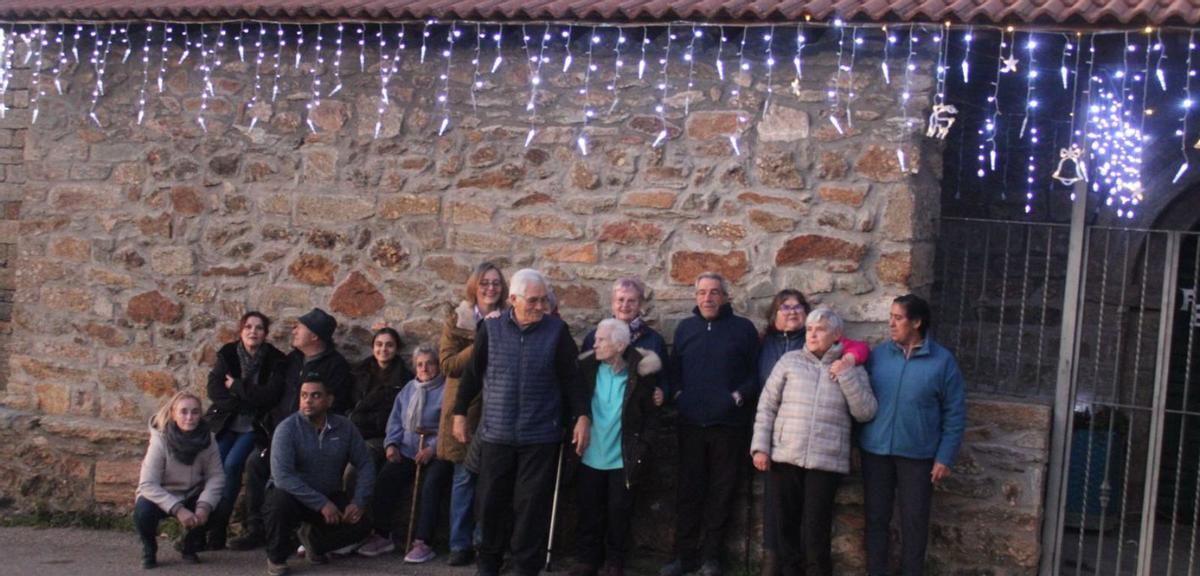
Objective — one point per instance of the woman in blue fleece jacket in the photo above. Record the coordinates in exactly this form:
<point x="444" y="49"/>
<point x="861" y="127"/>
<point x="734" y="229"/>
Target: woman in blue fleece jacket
<point x="415" y="412"/>
<point x="913" y="440"/>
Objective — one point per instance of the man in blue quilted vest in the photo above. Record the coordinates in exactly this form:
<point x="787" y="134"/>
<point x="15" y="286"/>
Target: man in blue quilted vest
<point x="524" y="363"/>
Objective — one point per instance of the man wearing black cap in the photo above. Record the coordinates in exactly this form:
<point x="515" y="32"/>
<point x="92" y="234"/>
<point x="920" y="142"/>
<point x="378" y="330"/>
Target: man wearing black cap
<point x="313" y="354"/>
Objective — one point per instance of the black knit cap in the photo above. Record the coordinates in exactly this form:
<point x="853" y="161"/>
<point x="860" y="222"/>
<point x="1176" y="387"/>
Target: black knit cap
<point x="321" y="324"/>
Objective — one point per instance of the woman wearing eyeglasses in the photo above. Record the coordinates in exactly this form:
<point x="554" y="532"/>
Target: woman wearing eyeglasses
<point x="486" y="296"/>
<point x="785" y="333"/>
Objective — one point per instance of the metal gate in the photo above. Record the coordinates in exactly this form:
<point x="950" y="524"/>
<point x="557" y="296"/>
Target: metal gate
<point x="1120" y="310"/>
<point x="1128" y="500"/>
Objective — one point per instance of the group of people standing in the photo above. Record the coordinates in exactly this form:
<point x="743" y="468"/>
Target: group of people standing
<point x="329" y="449"/>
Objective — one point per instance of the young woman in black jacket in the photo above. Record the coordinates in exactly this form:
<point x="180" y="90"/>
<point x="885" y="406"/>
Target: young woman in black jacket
<point x="240" y="389"/>
<point x="378" y="378"/>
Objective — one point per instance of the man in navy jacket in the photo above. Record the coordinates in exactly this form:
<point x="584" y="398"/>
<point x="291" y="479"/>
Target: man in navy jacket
<point x="525" y="365"/>
<point x="713" y="371"/>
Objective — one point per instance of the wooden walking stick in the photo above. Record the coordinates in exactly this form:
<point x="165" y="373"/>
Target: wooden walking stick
<point x="412" y="509"/>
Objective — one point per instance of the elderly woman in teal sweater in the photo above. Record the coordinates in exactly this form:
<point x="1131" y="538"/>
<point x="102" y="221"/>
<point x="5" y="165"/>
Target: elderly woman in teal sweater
<point x="913" y="440"/>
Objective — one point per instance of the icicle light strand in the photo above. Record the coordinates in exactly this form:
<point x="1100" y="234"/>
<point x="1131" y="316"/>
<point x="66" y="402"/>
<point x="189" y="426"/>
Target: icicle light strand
<point x="337" y="60"/>
<point x="444" y="97"/>
<point x="36" y="89"/>
<point x="618" y="63"/>
<point x="145" y="74"/>
<point x="663" y="87"/>
<point x="588" y="113"/>
<point x="1187" y="106"/>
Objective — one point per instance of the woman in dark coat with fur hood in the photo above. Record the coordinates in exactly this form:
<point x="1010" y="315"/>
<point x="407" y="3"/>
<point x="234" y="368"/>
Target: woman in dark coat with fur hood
<point x="240" y="389"/>
<point x="621" y="381"/>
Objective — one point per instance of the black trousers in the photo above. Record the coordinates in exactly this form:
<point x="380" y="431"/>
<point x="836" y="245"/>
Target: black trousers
<point x="283" y="514"/>
<point x="515" y="488"/>
<point x="710" y="463"/>
<point x="258" y="471"/>
<point x="605" y="507"/>
<point x="147" y="515"/>
<point x="394" y="482"/>
<point x="803" y="504"/>
<point x="883" y="477"/>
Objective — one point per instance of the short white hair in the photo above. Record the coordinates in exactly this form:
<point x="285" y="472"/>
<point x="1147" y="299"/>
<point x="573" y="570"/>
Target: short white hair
<point x="826" y="316"/>
<point x="523" y="278"/>
<point x="618" y="331"/>
<point x="630" y="283"/>
<point x="425" y="350"/>
<point x="713" y="276"/>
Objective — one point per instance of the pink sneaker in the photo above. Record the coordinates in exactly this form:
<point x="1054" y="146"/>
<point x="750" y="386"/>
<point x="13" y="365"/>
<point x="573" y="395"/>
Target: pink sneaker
<point x="376" y="545"/>
<point x="419" y="553"/>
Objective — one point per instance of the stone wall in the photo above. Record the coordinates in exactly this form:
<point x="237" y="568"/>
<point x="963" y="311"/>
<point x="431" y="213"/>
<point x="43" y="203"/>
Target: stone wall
<point x="135" y="248"/>
<point x="140" y="245"/>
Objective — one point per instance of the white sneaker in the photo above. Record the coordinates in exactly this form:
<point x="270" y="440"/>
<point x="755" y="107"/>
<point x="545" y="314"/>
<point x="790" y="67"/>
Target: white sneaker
<point x="376" y="545"/>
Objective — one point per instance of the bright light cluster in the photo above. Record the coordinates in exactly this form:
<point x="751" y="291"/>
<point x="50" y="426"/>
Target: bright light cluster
<point x="1116" y="146"/>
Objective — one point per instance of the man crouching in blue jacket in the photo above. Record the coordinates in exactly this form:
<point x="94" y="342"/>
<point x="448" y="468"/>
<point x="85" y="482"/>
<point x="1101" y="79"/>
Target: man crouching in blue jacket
<point x="713" y="366"/>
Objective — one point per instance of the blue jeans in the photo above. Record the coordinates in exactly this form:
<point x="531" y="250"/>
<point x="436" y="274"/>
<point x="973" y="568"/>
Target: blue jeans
<point x="234" y="448"/>
<point x="462" y="509"/>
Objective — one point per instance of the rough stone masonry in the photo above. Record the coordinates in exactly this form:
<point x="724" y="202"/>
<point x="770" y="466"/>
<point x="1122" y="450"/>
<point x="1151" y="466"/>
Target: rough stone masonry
<point x="130" y="251"/>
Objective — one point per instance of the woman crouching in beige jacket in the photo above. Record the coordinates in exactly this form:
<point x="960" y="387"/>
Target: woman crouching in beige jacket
<point x="802" y="439"/>
<point x="181" y="476"/>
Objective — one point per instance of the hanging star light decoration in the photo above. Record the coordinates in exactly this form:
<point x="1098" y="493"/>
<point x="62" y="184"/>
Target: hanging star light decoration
<point x="1009" y="65"/>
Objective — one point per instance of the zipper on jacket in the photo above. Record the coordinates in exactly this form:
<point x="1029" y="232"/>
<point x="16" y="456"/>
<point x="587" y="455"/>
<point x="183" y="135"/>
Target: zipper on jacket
<point x="899" y="387"/>
<point x="516" y="432"/>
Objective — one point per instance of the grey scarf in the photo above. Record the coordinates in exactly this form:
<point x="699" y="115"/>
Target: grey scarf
<point x="416" y="404"/>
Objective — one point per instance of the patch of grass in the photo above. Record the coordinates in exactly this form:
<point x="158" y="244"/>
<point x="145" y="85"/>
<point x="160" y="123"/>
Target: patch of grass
<point x="40" y="518"/>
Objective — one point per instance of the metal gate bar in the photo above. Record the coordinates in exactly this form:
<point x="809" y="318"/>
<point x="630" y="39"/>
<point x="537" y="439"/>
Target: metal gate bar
<point x="1163" y="360"/>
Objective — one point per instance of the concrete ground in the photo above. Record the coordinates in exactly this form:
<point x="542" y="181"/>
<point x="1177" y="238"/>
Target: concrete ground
<point x="82" y="552"/>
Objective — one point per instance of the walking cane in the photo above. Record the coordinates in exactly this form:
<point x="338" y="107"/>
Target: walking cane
<point x="554" y="507"/>
<point x="412" y="510"/>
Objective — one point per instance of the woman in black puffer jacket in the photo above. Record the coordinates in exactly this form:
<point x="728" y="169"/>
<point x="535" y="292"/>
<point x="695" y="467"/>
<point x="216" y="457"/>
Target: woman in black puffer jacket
<point x="378" y="378"/>
<point x="241" y="390"/>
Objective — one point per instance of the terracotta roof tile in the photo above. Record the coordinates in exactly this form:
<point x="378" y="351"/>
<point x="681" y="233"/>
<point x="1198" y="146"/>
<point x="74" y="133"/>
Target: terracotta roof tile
<point x="1071" y="12"/>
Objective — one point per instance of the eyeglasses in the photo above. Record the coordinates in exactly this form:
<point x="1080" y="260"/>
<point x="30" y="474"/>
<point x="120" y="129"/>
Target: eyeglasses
<point x="791" y="308"/>
<point x="490" y="284"/>
<point x="535" y="300"/>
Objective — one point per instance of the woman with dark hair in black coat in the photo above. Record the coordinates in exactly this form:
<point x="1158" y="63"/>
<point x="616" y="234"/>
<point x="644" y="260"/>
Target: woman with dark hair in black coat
<point x="240" y="389"/>
<point x="378" y="378"/>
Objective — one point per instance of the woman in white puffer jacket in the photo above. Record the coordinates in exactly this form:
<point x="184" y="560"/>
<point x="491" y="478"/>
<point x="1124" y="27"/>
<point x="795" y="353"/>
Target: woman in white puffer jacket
<point x="802" y="439"/>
